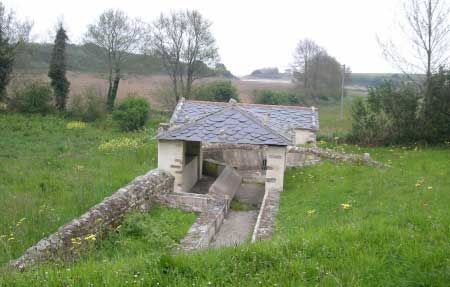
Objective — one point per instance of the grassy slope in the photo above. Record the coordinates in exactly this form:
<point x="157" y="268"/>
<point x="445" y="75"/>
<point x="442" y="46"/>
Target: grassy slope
<point x="51" y="174"/>
<point x="394" y="234"/>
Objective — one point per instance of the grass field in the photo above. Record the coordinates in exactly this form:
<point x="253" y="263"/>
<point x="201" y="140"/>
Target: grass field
<point x="338" y="224"/>
<point x="50" y="174"/>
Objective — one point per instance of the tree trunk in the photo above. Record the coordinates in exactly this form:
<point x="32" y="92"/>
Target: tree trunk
<point x="305" y="75"/>
<point x="175" y="87"/>
<point x="189" y="81"/>
<point x="114" y="88"/>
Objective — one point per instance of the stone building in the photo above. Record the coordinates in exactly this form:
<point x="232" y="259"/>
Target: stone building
<point x="197" y="122"/>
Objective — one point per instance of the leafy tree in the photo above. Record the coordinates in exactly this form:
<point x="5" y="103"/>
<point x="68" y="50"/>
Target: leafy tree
<point x="6" y="64"/>
<point x="35" y="97"/>
<point x="57" y="72"/>
<point x="436" y="112"/>
<point x="132" y="113"/>
<point x="119" y="35"/>
<point x="389" y="116"/>
<point x="269" y="97"/>
<point x="12" y="34"/>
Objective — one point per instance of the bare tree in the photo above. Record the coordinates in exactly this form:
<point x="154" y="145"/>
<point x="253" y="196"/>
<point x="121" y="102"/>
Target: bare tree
<point x="185" y="44"/>
<point x="305" y="51"/>
<point x="119" y="35"/>
<point x="200" y="47"/>
<point x="426" y="39"/>
<point x="166" y="42"/>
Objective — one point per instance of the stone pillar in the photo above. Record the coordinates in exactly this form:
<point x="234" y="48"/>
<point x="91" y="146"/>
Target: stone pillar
<point x="171" y="159"/>
<point x="276" y="164"/>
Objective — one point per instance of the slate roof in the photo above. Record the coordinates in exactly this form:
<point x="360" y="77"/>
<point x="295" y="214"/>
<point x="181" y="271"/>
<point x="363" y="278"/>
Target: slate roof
<point x="224" y="123"/>
<point x="281" y="118"/>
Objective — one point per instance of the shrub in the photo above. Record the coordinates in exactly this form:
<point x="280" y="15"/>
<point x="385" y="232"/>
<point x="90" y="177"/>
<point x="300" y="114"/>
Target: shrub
<point x="435" y="116"/>
<point x="88" y="106"/>
<point x="368" y="127"/>
<point x="219" y="91"/>
<point x="390" y="116"/>
<point x="35" y="97"/>
<point x="269" y="97"/>
<point x="131" y="113"/>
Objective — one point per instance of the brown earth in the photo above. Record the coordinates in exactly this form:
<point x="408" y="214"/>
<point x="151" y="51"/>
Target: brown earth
<point x="150" y="87"/>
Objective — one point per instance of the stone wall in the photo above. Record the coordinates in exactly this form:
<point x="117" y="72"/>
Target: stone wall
<point x="364" y="159"/>
<point x="137" y="195"/>
<point x="241" y="157"/>
<point x="209" y="222"/>
<point x="190" y="202"/>
<point x="276" y="164"/>
<point x="265" y="224"/>
<point x="297" y="157"/>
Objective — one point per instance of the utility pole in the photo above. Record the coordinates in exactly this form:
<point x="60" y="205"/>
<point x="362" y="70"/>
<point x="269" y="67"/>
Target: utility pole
<point x="342" y="94"/>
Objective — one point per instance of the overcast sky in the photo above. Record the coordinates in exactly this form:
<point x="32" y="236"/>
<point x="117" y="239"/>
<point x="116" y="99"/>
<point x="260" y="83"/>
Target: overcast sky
<point x="249" y="34"/>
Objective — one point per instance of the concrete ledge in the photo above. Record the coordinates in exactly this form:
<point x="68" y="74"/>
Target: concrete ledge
<point x="226" y="185"/>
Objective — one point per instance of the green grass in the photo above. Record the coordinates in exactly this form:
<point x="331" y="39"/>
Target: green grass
<point x="393" y="233"/>
<point x="50" y="174"/>
<point x="237" y="205"/>
<point x="329" y="116"/>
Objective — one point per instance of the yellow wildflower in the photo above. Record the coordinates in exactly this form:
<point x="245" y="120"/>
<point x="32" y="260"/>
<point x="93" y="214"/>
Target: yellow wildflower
<point x="121" y="143"/>
<point x="420" y="182"/>
<point x="90" y="237"/>
<point x="76" y="241"/>
<point x="430" y="188"/>
<point x="76" y="125"/>
<point x="311" y="212"/>
<point x="346" y="206"/>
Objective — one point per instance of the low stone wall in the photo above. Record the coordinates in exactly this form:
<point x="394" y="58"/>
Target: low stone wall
<point x="209" y="222"/>
<point x="205" y="227"/>
<point x="338" y="156"/>
<point x="265" y="224"/>
<point x="137" y="195"/>
<point x="189" y="202"/>
<point x="298" y="158"/>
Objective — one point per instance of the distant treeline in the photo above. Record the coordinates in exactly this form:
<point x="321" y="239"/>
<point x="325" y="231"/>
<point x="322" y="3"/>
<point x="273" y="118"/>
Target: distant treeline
<point x="91" y="58"/>
<point x="375" y="79"/>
